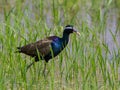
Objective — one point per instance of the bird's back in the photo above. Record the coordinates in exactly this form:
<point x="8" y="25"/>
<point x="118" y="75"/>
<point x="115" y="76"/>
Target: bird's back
<point x="41" y="46"/>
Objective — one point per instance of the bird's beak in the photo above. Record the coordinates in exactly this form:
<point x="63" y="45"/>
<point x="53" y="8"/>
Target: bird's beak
<point x="74" y="30"/>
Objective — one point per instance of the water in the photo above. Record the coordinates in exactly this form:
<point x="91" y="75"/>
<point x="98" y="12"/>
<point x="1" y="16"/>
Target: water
<point x="111" y="28"/>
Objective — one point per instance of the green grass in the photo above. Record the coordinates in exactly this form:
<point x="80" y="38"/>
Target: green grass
<point x="84" y="64"/>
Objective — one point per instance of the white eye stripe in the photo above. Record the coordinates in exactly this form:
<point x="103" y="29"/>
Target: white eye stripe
<point x="68" y="27"/>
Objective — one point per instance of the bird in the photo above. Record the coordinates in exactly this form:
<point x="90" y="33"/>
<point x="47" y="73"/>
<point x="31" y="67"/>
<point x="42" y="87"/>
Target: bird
<point x="48" y="47"/>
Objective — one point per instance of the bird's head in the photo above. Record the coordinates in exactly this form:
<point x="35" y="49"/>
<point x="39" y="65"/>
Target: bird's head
<point x="69" y="29"/>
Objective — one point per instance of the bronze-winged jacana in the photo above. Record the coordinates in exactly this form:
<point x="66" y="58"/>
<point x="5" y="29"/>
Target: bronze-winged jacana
<point x="48" y="47"/>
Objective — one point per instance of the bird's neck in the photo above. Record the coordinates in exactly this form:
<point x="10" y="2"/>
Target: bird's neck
<point x="65" y="39"/>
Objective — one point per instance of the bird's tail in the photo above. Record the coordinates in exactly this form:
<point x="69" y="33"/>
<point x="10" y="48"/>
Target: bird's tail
<point x="18" y="50"/>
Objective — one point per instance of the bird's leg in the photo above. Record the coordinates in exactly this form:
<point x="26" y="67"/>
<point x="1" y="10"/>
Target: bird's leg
<point x="36" y="60"/>
<point x="44" y="68"/>
<point x="30" y="65"/>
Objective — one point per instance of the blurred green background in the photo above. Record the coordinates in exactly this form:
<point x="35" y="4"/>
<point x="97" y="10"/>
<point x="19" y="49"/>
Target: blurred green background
<point x="90" y="61"/>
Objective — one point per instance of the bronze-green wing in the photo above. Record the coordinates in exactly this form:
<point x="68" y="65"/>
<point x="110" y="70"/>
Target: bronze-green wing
<point x="41" y="46"/>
